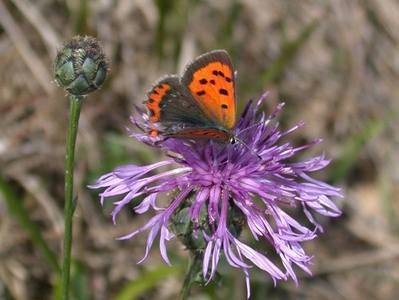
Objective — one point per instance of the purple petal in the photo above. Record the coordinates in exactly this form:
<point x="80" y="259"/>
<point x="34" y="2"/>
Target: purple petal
<point x="259" y="260"/>
<point x="150" y="240"/>
<point x="165" y="235"/>
<point x="207" y="256"/>
<point x="148" y="202"/>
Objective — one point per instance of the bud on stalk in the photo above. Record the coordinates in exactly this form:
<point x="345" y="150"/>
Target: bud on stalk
<point x="80" y="66"/>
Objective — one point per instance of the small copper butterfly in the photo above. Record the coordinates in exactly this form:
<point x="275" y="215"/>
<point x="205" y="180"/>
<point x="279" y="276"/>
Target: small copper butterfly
<point x="199" y="104"/>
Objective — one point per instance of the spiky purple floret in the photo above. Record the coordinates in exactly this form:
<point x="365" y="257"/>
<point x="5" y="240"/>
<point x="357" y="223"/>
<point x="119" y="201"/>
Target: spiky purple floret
<point x="222" y="175"/>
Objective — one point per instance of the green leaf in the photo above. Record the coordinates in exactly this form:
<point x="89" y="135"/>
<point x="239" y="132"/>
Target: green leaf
<point x="79" y="283"/>
<point x="146" y="281"/>
<point x="17" y="210"/>
<point x="225" y="40"/>
<point x="352" y="149"/>
<point x="164" y="8"/>
<point x="287" y="54"/>
<point x="81" y="15"/>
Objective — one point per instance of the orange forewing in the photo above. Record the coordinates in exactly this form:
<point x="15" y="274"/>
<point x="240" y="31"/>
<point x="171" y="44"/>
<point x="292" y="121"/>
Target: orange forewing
<point x="154" y="98"/>
<point x="213" y="87"/>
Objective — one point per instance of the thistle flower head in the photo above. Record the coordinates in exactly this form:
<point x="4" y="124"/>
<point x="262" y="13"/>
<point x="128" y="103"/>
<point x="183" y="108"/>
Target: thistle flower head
<point x="80" y="66"/>
<point x="220" y="187"/>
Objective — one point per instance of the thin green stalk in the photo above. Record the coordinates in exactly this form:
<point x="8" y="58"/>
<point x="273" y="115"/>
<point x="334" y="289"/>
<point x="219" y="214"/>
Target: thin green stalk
<point x="70" y="204"/>
<point x="192" y="274"/>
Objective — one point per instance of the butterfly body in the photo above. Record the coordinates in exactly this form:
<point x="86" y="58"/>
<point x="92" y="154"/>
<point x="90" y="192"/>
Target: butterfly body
<point x="200" y="104"/>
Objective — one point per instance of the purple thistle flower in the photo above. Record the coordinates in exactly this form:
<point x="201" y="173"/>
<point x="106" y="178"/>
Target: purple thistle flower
<point x="218" y="177"/>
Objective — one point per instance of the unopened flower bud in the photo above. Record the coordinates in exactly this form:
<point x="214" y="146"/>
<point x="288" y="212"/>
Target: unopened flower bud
<point x="80" y="66"/>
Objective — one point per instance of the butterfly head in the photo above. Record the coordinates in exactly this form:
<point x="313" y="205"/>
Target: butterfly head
<point x="233" y="140"/>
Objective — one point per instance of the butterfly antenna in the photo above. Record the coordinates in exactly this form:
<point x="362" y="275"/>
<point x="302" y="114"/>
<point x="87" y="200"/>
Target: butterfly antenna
<point x="252" y="126"/>
<point x="249" y="148"/>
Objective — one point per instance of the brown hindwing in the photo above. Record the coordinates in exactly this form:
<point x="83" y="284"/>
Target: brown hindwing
<point x="155" y="96"/>
<point x="208" y="133"/>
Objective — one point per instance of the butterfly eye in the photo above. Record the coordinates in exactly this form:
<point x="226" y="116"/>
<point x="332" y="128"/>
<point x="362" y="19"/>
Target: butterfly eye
<point x="232" y="140"/>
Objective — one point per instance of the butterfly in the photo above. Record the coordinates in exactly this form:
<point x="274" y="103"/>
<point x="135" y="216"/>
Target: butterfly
<point x="199" y="104"/>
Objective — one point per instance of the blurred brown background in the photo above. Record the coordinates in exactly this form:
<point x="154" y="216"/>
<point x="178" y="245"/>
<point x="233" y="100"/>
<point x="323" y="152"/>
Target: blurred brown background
<point x="335" y="64"/>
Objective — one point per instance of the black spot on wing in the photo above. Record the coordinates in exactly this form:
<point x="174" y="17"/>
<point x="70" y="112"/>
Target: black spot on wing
<point x="201" y="93"/>
<point x="223" y="92"/>
<point x="203" y="60"/>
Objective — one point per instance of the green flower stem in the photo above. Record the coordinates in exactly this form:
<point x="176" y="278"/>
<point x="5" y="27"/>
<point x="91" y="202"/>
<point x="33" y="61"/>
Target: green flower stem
<point x="70" y="204"/>
<point x="194" y="270"/>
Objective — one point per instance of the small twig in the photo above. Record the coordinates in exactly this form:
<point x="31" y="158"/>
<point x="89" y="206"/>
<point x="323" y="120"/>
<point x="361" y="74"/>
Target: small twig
<point x="31" y="59"/>
<point x="5" y="45"/>
<point x="34" y="186"/>
<point x="353" y="261"/>
<point x="45" y="29"/>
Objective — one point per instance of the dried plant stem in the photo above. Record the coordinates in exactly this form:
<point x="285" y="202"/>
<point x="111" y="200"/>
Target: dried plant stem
<point x="70" y="204"/>
<point x="31" y="58"/>
<point x="193" y="270"/>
